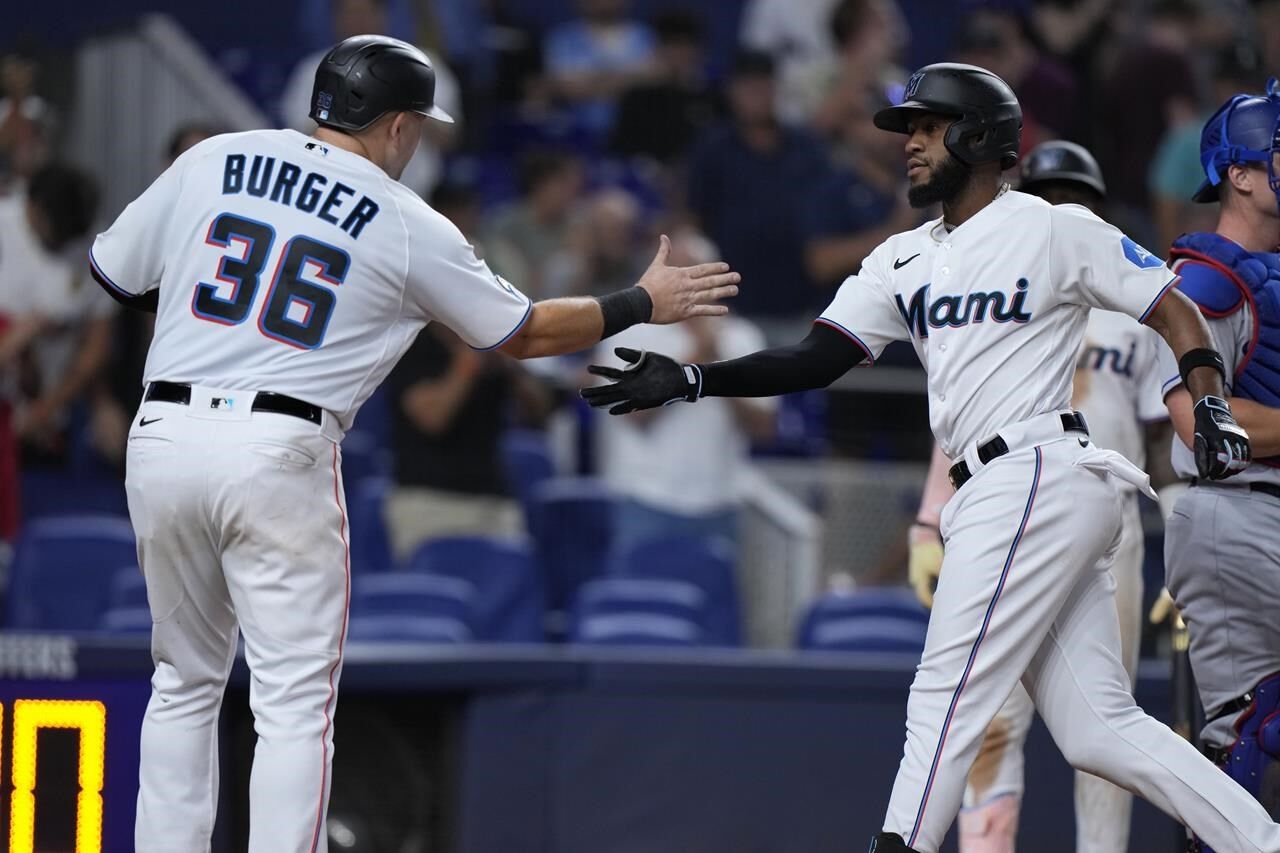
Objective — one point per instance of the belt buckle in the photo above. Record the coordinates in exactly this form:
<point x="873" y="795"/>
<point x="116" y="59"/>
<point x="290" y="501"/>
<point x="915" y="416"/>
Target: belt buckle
<point x="958" y="475"/>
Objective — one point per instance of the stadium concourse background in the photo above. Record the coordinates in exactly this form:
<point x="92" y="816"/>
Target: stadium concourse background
<point x="709" y="655"/>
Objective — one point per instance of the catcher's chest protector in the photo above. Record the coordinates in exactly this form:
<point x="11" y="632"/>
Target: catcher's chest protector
<point x="1256" y="276"/>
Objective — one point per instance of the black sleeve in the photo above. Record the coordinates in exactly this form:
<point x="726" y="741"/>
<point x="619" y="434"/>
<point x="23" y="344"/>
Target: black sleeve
<point x="817" y="361"/>
<point x="148" y="302"/>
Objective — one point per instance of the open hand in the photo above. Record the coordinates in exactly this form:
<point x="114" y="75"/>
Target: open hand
<point x="682" y="292"/>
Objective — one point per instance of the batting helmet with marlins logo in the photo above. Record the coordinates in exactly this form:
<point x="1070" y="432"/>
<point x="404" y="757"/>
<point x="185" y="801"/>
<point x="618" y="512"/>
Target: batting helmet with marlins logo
<point x="365" y="77"/>
<point x="988" y="123"/>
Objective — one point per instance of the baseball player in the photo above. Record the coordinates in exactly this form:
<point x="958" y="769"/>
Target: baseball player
<point x="995" y="296"/>
<point x="1117" y="388"/>
<point x="1222" y="557"/>
<point x="289" y="273"/>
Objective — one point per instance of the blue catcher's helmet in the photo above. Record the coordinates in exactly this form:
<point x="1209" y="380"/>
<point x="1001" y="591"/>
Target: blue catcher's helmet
<point x="1246" y="129"/>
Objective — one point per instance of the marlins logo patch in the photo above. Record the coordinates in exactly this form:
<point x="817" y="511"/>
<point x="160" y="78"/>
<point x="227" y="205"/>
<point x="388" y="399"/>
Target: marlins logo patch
<point x="912" y="85"/>
<point x="1138" y="256"/>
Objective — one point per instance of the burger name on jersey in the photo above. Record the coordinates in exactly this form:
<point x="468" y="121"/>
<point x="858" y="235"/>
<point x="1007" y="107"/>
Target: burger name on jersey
<point x="286" y="183"/>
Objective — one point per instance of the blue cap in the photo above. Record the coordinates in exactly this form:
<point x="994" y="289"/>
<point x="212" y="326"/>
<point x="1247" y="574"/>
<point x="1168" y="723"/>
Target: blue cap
<point x="1243" y="130"/>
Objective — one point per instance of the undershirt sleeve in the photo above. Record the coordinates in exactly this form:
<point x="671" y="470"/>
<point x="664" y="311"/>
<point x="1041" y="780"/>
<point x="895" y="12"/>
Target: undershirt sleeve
<point x="815" y="362"/>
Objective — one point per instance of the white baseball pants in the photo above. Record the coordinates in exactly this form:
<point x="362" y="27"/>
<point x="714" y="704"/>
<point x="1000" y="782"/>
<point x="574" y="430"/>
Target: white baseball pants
<point x="1022" y="596"/>
<point x="989" y="819"/>
<point x="241" y="521"/>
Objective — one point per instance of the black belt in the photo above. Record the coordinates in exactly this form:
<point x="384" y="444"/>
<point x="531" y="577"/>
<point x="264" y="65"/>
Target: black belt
<point x="1261" y="488"/>
<point x="996" y="447"/>
<point x="264" y="401"/>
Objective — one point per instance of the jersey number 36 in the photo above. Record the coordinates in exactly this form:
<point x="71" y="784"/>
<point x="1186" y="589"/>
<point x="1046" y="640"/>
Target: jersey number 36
<point x="295" y="311"/>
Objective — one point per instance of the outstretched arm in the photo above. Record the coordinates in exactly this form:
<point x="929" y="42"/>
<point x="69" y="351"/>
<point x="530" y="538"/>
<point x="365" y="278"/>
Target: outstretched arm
<point x="664" y="294"/>
<point x="654" y="379"/>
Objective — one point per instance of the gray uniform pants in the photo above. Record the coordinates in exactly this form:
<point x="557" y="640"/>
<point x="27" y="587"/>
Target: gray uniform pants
<point x="1222" y="566"/>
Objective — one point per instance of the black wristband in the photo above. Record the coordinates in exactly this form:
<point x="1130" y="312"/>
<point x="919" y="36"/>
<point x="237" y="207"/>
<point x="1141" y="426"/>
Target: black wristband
<point x="623" y="309"/>
<point x="1201" y="357"/>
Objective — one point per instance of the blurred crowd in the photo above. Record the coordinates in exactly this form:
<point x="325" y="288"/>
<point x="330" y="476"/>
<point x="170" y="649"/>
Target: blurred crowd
<point x="578" y="140"/>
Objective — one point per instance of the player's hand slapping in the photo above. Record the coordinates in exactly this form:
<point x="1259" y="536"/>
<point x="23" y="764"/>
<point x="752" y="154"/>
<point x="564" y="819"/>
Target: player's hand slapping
<point x="649" y="380"/>
<point x="679" y="293"/>
<point x="1221" y="446"/>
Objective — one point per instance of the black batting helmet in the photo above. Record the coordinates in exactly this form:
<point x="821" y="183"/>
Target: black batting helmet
<point x="980" y="102"/>
<point x="1059" y="160"/>
<point x="365" y="77"/>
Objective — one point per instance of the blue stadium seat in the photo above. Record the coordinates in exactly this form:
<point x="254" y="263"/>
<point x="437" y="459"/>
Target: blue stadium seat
<point x="370" y="543"/>
<point x="874" y="619"/>
<point x="708" y="565"/>
<point x="572" y="527"/>
<point x="528" y="463"/>
<point x="413" y="607"/>
<point x="128" y="588"/>
<point x="634" y="611"/>
<point x="400" y="628"/>
<point x="510" y="601"/>
<point x="126" y="620"/>
<point x="63" y="568"/>
<point x="364" y="456"/>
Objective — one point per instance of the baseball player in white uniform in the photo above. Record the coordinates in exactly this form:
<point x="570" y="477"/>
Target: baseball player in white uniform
<point x="1117" y="388"/>
<point x="995" y="296"/>
<point x="289" y="274"/>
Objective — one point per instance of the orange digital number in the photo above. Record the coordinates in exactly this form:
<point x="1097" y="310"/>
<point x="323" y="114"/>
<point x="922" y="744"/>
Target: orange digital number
<point x="90" y="719"/>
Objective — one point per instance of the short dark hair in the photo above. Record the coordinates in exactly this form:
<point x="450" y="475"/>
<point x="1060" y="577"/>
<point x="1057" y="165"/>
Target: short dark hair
<point x="540" y="165"/>
<point x="182" y="131"/>
<point x="675" y="25"/>
<point x="753" y="63"/>
<point x="847" y="19"/>
<point x="452" y="194"/>
<point x="68" y="197"/>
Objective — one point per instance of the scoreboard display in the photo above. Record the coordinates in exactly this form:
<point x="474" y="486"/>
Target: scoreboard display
<point x="68" y="749"/>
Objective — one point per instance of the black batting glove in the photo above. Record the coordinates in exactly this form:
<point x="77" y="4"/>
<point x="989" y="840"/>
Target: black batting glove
<point x="1222" y="447"/>
<point x="650" y="380"/>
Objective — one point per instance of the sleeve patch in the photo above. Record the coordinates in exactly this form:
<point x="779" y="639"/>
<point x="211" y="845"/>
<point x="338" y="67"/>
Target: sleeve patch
<point x="1138" y="256"/>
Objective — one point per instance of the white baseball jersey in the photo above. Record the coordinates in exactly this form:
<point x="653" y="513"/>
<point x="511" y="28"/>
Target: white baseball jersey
<point x="291" y="266"/>
<point x="1011" y="285"/>
<point x="1117" y="383"/>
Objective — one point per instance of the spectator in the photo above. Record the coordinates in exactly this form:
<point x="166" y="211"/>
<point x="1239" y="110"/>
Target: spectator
<point x="868" y="35"/>
<point x="749" y="181"/>
<point x="1148" y="89"/>
<point x="75" y="321"/>
<point x="59" y="332"/>
<point x="117" y="396"/>
<point x="863" y="203"/>
<point x="660" y="118"/>
<point x="26" y="119"/>
<point x="606" y="249"/>
<point x="595" y="58"/>
<point x="999" y="40"/>
<point x="450" y="405"/>
<point x="1176" y="172"/>
<point x="689" y="456"/>
<point x="360" y="17"/>
<point x="1267" y="26"/>
<point x="796" y="34"/>
<point x="522" y="238"/>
